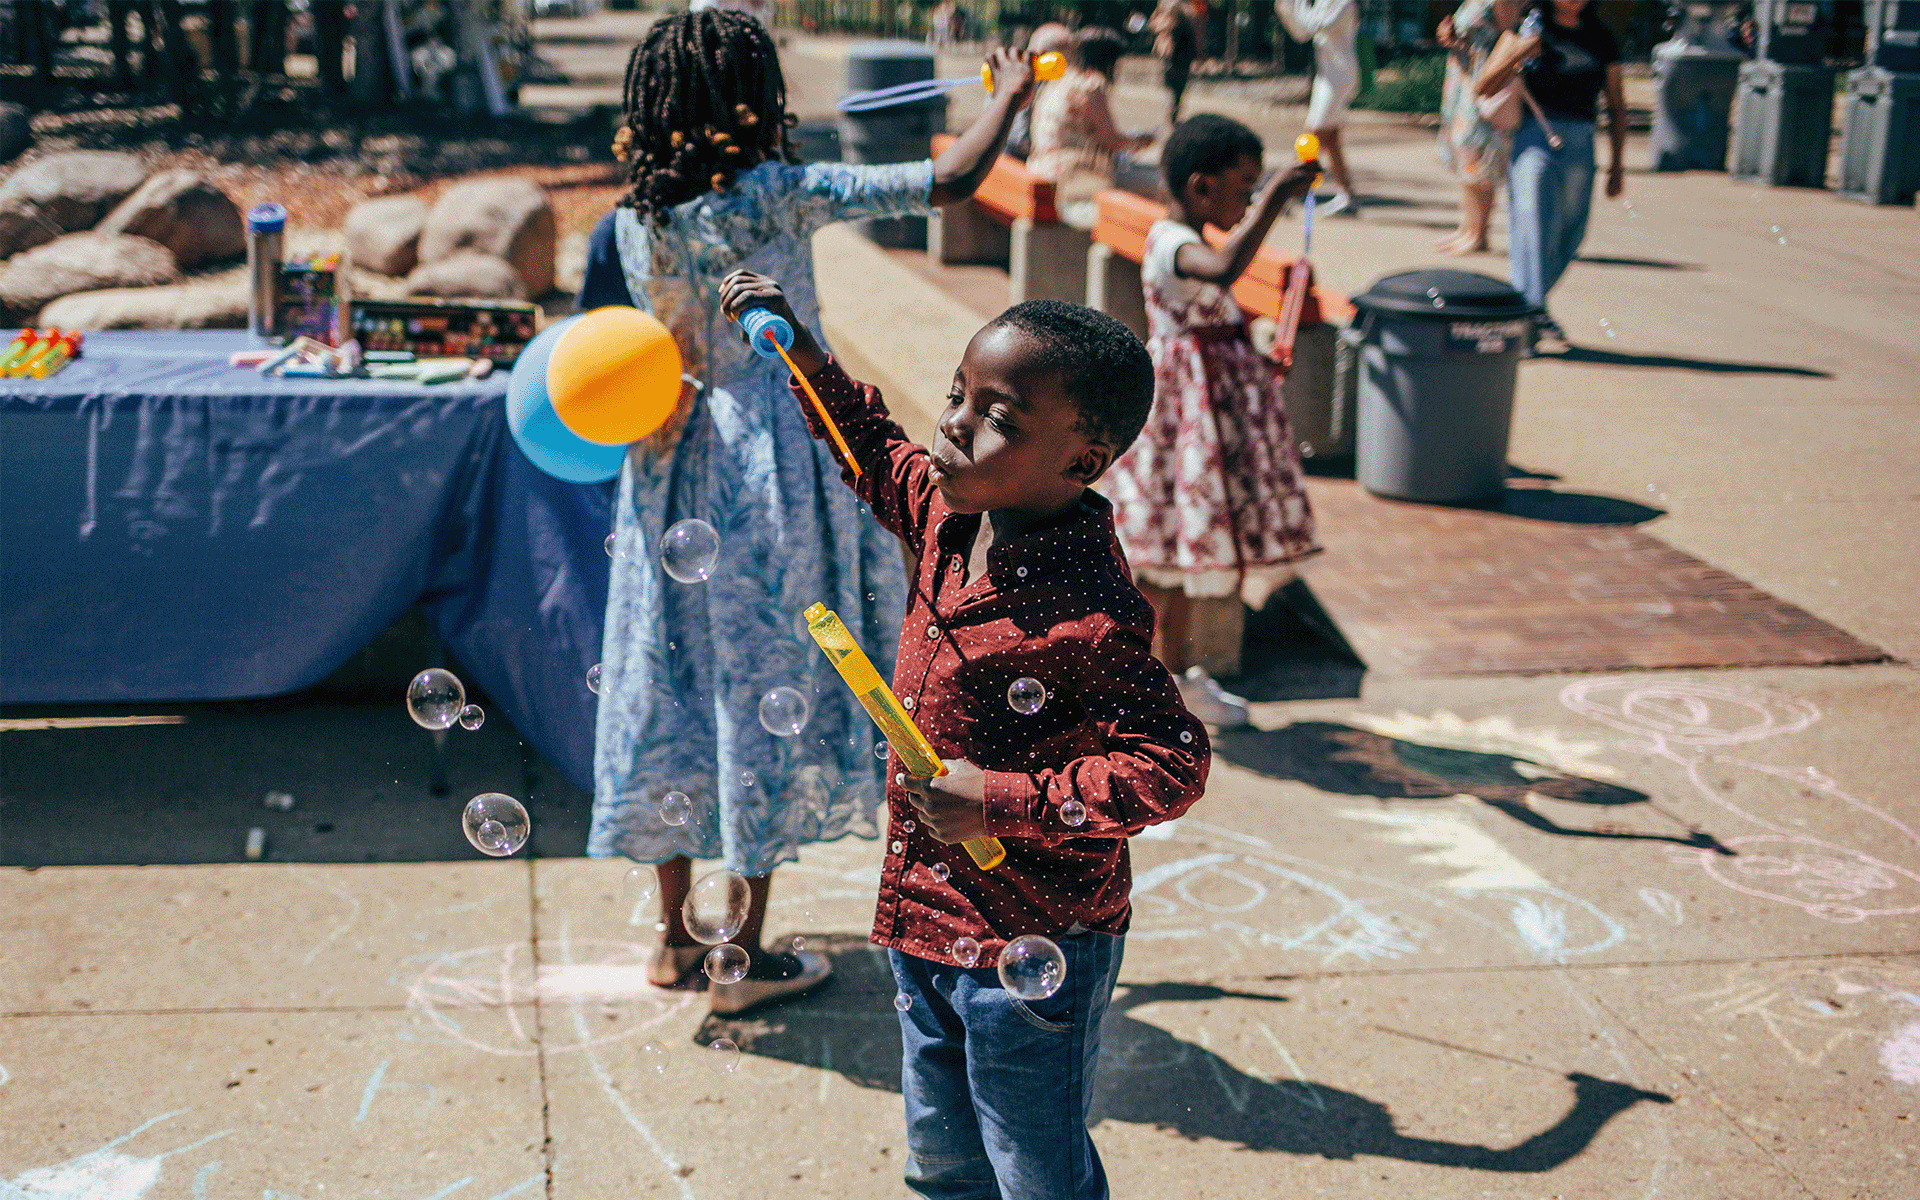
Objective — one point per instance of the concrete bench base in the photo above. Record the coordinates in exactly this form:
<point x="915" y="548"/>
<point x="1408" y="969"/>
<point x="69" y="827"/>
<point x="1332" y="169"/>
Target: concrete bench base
<point x="965" y="234"/>
<point x="1048" y="262"/>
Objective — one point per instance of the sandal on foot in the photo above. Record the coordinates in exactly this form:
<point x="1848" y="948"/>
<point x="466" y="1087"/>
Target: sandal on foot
<point x="797" y="973"/>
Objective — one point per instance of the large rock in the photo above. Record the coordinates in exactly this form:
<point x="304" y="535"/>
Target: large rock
<point x="570" y="263"/>
<point x="208" y="302"/>
<point x="184" y="213"/>
<point x="82" y="262"/>
<point x="16" y="130"/>
<point x="383" y="236"/>
<point x="61" y="193"/>
<point x="468" y="275"/>
<point x="507" y="218"/>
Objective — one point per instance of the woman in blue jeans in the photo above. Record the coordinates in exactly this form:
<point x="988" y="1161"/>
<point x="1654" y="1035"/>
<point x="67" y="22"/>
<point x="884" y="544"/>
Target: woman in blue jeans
<point x="1566" y="60"/>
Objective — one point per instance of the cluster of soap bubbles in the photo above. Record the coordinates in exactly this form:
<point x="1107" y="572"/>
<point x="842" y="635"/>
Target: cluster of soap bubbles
<point x="437" y="700"/>
<point x="496" y="824"/>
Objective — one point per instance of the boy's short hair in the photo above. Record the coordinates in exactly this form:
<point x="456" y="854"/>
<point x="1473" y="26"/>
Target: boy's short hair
<point x="1104" y="368"/>
<point x="1205" y="144"/>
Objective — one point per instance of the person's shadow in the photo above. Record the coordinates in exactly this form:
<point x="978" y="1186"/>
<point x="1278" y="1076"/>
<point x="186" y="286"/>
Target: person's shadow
<point x="1358" y="762"/>
<point x="1149" y="1077"/>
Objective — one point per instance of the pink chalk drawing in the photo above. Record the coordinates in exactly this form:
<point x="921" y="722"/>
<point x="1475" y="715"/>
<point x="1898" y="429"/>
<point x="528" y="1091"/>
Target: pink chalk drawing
<point x="1679" y="720"/>
<point x="1900" y="1054"/>
<point x="484" y="997"/>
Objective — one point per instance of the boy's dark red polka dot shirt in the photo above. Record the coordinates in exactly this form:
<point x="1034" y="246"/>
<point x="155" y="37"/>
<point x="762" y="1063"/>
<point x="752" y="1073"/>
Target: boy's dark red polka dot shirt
<point x="1057" y="605"/>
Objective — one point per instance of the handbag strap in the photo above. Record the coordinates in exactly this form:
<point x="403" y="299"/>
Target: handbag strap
<point x="1553" y="139"/>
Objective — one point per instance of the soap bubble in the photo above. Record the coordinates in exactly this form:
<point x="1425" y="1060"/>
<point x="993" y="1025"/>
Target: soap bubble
<point x="594" y="677"/>
<point x="902" y="1001"/>
<point x="799" y="944"/>
<point x="716" y="907"/>
<point x="783" y="712"/>
<point x="435" y="698"/>
<point x="908" y="827"/>
<point x="748" y="778"/>
<point x="1026" y="695"/>
<point x="642" y="884"/>
<point x="612" y="541"/>
<point x="653" y="1056"/>
<point x="472" y="717"/>
<point x="1032" y="968"/>
<point x="496" y="824"/>
<point x="1606" y="326"/>
<point x="966" y="951"/>
<point x="675" y="808"/>
<point x="941" y="871"/>
<point x="880" y="751"/>
<point x="1072" y="812"/>
<point x="723" y="1055"/>
<point x="1778" y="233"/>
<point x="690" y="550"/>
<point x="726" y="964"/>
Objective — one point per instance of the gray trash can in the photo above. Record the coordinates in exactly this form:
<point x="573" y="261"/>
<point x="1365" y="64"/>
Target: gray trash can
<point x="897" y="133"/>
<point x="1439" y="353"/>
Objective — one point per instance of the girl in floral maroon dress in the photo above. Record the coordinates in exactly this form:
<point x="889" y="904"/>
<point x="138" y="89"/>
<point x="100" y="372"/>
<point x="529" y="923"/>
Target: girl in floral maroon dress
<point x="1208" y="502"/>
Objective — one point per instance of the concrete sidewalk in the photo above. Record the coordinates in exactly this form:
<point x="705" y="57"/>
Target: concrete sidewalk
<point x="1442" y="938"/>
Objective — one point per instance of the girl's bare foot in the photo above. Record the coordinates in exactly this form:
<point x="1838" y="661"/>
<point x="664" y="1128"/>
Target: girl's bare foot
<point x="1463" y="245"/>
<point x="1446" y="244"/>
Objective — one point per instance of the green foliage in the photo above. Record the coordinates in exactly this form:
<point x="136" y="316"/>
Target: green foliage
<point x="1409" y="84"/>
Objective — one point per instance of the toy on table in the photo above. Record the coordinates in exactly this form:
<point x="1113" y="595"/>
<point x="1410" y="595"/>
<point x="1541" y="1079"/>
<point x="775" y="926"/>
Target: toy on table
<point x="497" y="330"/>
<point x="313" y="299"/>
<point x="1051" y="65"/>
<point x="878" y="699"/>
<point x="1307" y="148"/>
<point x="42" y="355"/>
<point x="769" y="334"/>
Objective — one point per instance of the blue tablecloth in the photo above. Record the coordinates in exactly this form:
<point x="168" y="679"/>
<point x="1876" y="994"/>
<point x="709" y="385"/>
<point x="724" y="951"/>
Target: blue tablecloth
<point x="175" y="529"/>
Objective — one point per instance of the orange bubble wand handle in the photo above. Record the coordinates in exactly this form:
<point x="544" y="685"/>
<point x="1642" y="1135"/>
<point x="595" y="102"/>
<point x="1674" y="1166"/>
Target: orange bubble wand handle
<point x="826" y="418"/>
<point x="878" y="699"/>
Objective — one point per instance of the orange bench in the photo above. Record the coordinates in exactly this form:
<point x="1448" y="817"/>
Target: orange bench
<point x="1113" y="287"/>
<point x="1012" y="221"/>
<point x="1122" y="228"/>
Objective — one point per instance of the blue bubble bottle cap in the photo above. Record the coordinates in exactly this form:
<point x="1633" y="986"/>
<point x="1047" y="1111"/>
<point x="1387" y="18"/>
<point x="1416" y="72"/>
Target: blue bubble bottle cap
<point x="266" y="218"/>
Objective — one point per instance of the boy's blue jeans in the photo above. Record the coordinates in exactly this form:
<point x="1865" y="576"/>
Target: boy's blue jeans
<point x="1549" y="195"/>
<point x="998" y="1090"/>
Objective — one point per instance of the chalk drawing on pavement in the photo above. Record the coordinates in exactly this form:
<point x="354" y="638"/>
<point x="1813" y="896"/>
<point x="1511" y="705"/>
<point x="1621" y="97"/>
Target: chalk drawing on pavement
<point x="103" y="1173"/>
<point x="1811" y="1010"/>
<point x="1680" y="720"/>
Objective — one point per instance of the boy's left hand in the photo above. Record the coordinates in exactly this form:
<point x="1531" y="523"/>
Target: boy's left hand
<point x="1297" y="180"/>
<point x="953" y="806"/>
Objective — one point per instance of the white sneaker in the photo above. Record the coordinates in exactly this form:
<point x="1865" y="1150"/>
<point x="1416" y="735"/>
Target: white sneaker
<point x="1211" y="703"/>
<point x="1339" y="202"/>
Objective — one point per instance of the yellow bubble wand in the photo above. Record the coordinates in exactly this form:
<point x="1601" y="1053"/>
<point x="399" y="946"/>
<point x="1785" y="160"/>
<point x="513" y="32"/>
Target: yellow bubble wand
<point x="878" y="699"/>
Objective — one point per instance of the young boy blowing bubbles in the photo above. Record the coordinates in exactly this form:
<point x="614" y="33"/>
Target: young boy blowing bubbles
<point x="998" y="1089"/>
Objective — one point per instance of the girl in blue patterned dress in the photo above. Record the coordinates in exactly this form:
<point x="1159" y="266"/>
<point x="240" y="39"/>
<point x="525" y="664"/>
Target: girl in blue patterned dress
<point x="686" y="665"/>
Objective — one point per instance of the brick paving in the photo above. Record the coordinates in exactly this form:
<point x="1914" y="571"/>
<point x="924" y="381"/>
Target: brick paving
<point x="1424" y="590"/>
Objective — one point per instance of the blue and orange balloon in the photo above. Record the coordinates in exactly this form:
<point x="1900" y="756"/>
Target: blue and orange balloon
<point x="538" y="430"/>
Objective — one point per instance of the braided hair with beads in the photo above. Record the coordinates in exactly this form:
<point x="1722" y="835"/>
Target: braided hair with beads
<point x="705" y="97"/>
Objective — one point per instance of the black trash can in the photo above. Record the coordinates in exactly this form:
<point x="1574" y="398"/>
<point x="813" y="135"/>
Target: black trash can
<point x="897" y="133"/>
<point x="1438" y="352"/>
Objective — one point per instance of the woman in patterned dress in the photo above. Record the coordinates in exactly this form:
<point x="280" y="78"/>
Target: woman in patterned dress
<point x="1474" y="151"/>
<point x="686" y="664"/>
<point x="1208" y="502"/>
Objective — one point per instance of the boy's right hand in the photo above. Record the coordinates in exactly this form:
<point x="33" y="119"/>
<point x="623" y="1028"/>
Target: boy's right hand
<point x="744" y="290"/>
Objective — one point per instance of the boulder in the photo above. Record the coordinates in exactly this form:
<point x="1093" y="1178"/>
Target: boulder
<point x="208" y="302"/>
<point x="82" y="262"/>
<point x="468" y="275"/>
<point x="62" y="193"/>
<point x="383" y="236"/>
<point x="16" y="130"/>
<point x="186" y="214"/>
<point x="507" y="218"/>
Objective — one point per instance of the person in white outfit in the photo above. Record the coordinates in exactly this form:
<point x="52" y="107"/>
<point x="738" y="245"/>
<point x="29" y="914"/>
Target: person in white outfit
<point x="1331" y="25"/>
